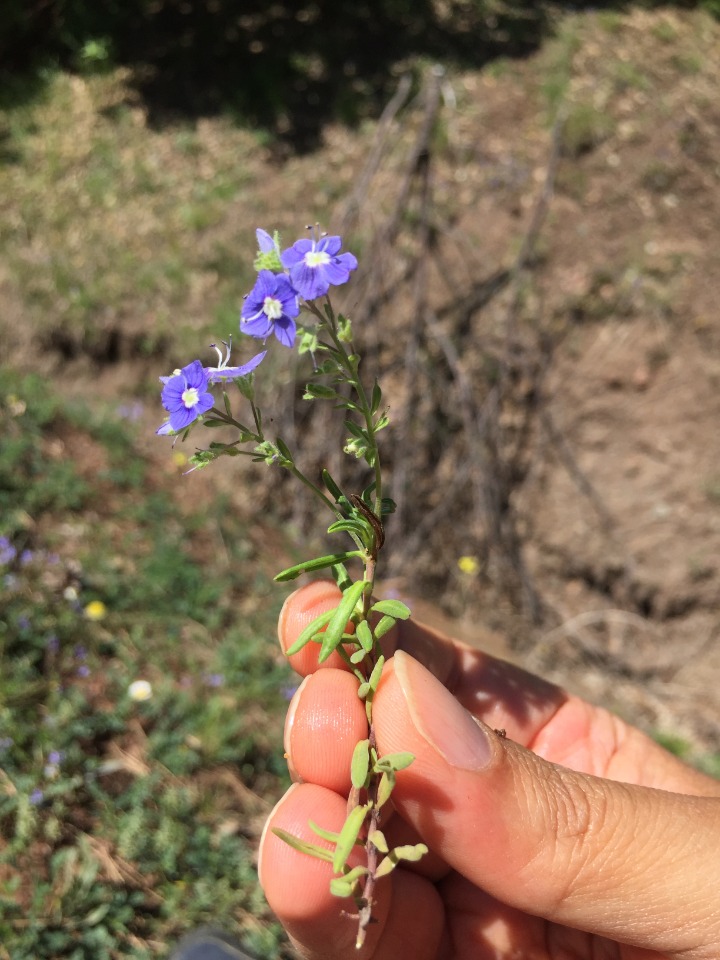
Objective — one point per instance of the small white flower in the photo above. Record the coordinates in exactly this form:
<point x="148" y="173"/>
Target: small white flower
<point x="139" y="690"/>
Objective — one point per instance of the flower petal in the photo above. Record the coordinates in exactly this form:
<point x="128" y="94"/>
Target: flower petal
<point x="260" y="327"/>
<point x="265" y="242"/>
<point x="331" y="245"/>
<point x="309" y="281"/>
<point x="285" y="331"/>
<point x="295" y="253"/>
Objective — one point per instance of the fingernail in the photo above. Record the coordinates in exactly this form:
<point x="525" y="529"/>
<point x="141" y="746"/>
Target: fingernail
<point x="439" y="718"/>
<point x="289" y="722"/>
<point x="266" y="828"/>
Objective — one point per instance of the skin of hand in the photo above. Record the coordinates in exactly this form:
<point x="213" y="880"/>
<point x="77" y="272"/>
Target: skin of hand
<point x="573" y="837"/>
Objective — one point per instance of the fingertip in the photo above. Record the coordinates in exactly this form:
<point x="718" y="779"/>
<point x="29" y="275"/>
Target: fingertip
<point x="297" y="886"/>
<point x="326" y="720"/>
<point x="299" y="610"/>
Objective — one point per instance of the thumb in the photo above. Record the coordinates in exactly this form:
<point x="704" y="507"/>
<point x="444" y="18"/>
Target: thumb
<point x="636" y="865"/>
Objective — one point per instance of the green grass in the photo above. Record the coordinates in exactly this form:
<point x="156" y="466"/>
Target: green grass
<point x="125" y="823"/>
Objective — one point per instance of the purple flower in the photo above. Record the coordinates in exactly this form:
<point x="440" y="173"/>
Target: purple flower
<point x="266" y="244"/>
<point x="270" y="308"/>
<point x="7" y="551"/>
<point x="37" y="797"/>
<point x="186" y="397"/>
<point x="317" y="265"/>
<point x="223" y="372"/>
<point x="215" y="679"/>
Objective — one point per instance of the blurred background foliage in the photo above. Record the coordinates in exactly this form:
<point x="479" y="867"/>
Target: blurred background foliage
<point x="287" y="68"/>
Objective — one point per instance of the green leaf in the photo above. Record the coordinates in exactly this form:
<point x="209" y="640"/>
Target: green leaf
<point x="360" y="764"/>
<point x="393" y="608"/>
<point x="319" y="563"/>
<point x="284" y="449"/>
<point x="357" y="527"/>
<point x="385" y="624"/>
<point x="348" y="835"/>
<point x="356" y="430"/>
<point x="214" y="423"/>
<point x="385" y="788"/>
<point x="358" y="656"/>
<point x="377" y="838"/>
<point x="318" y="391"/>
<point x="309" y="632"/>
<point x="367" y="689"/>
<point x="376" y="398"/>
<point x="312" y="849"/>
<point x="394" y="762"/>
<point x="388" y="506"/>
<point x="246" y="386"/>
<point x="364" y="635"/>
<point x="330" y="485"/>
<point x="353" y="875"/>
<point x="381" y="422"/>
<point x="336" y="627"/>
<point x="341" y="576"/>
<point x="325" y="834"/>
<point x="411" y="851"/>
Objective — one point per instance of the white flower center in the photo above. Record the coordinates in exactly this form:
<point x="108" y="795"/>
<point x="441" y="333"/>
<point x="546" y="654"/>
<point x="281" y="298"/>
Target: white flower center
<point x="190" y="397"/>
<point x="316" y="258"/>
<point x="272" y="308"/>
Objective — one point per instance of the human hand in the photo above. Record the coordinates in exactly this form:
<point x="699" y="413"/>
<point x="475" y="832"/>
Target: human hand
<point x="574" y="837"/>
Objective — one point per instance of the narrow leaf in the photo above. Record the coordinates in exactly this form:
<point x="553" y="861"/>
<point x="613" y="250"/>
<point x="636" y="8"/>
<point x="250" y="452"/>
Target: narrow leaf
<point x="377" y="838"/>
<point x="393" y="608"/>
<point x="364" y="635"/>
<point x="341" y="615"/>
<point x="284" y="449"/>
<point x="358" y="656"/>
<point x="394" y="762"/>
<point x="319" y="563"/>
<point x="339" y="887"/>
<point x="341" y="576"/>
<point x="310" y="631"/>
<point x="385" y="788"/>
<point x="386" y="866"/>
<point x="348" y="835"/>
<point x="318" y="391"/>
<point x="312" y="849"/>
<point x="384" y="625"/>
<point x="325" y="834"/>
<point x="360" y="764"/>
<point x="376" y="398"/>
<point x="352" y="876"/>
<point x="330" y="485"/>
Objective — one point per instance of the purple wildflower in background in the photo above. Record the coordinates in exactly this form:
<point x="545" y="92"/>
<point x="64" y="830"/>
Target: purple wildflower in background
<point x="185" y="396"/>
<point x="317" y="265"/>
<point x="37" y="797"/>
<point x="7" y="551"/>
<point x="270" y="308"/>
<point x="223" y="372"/>
<point x="26" y="557"/>
<point x="215" y="679"/>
